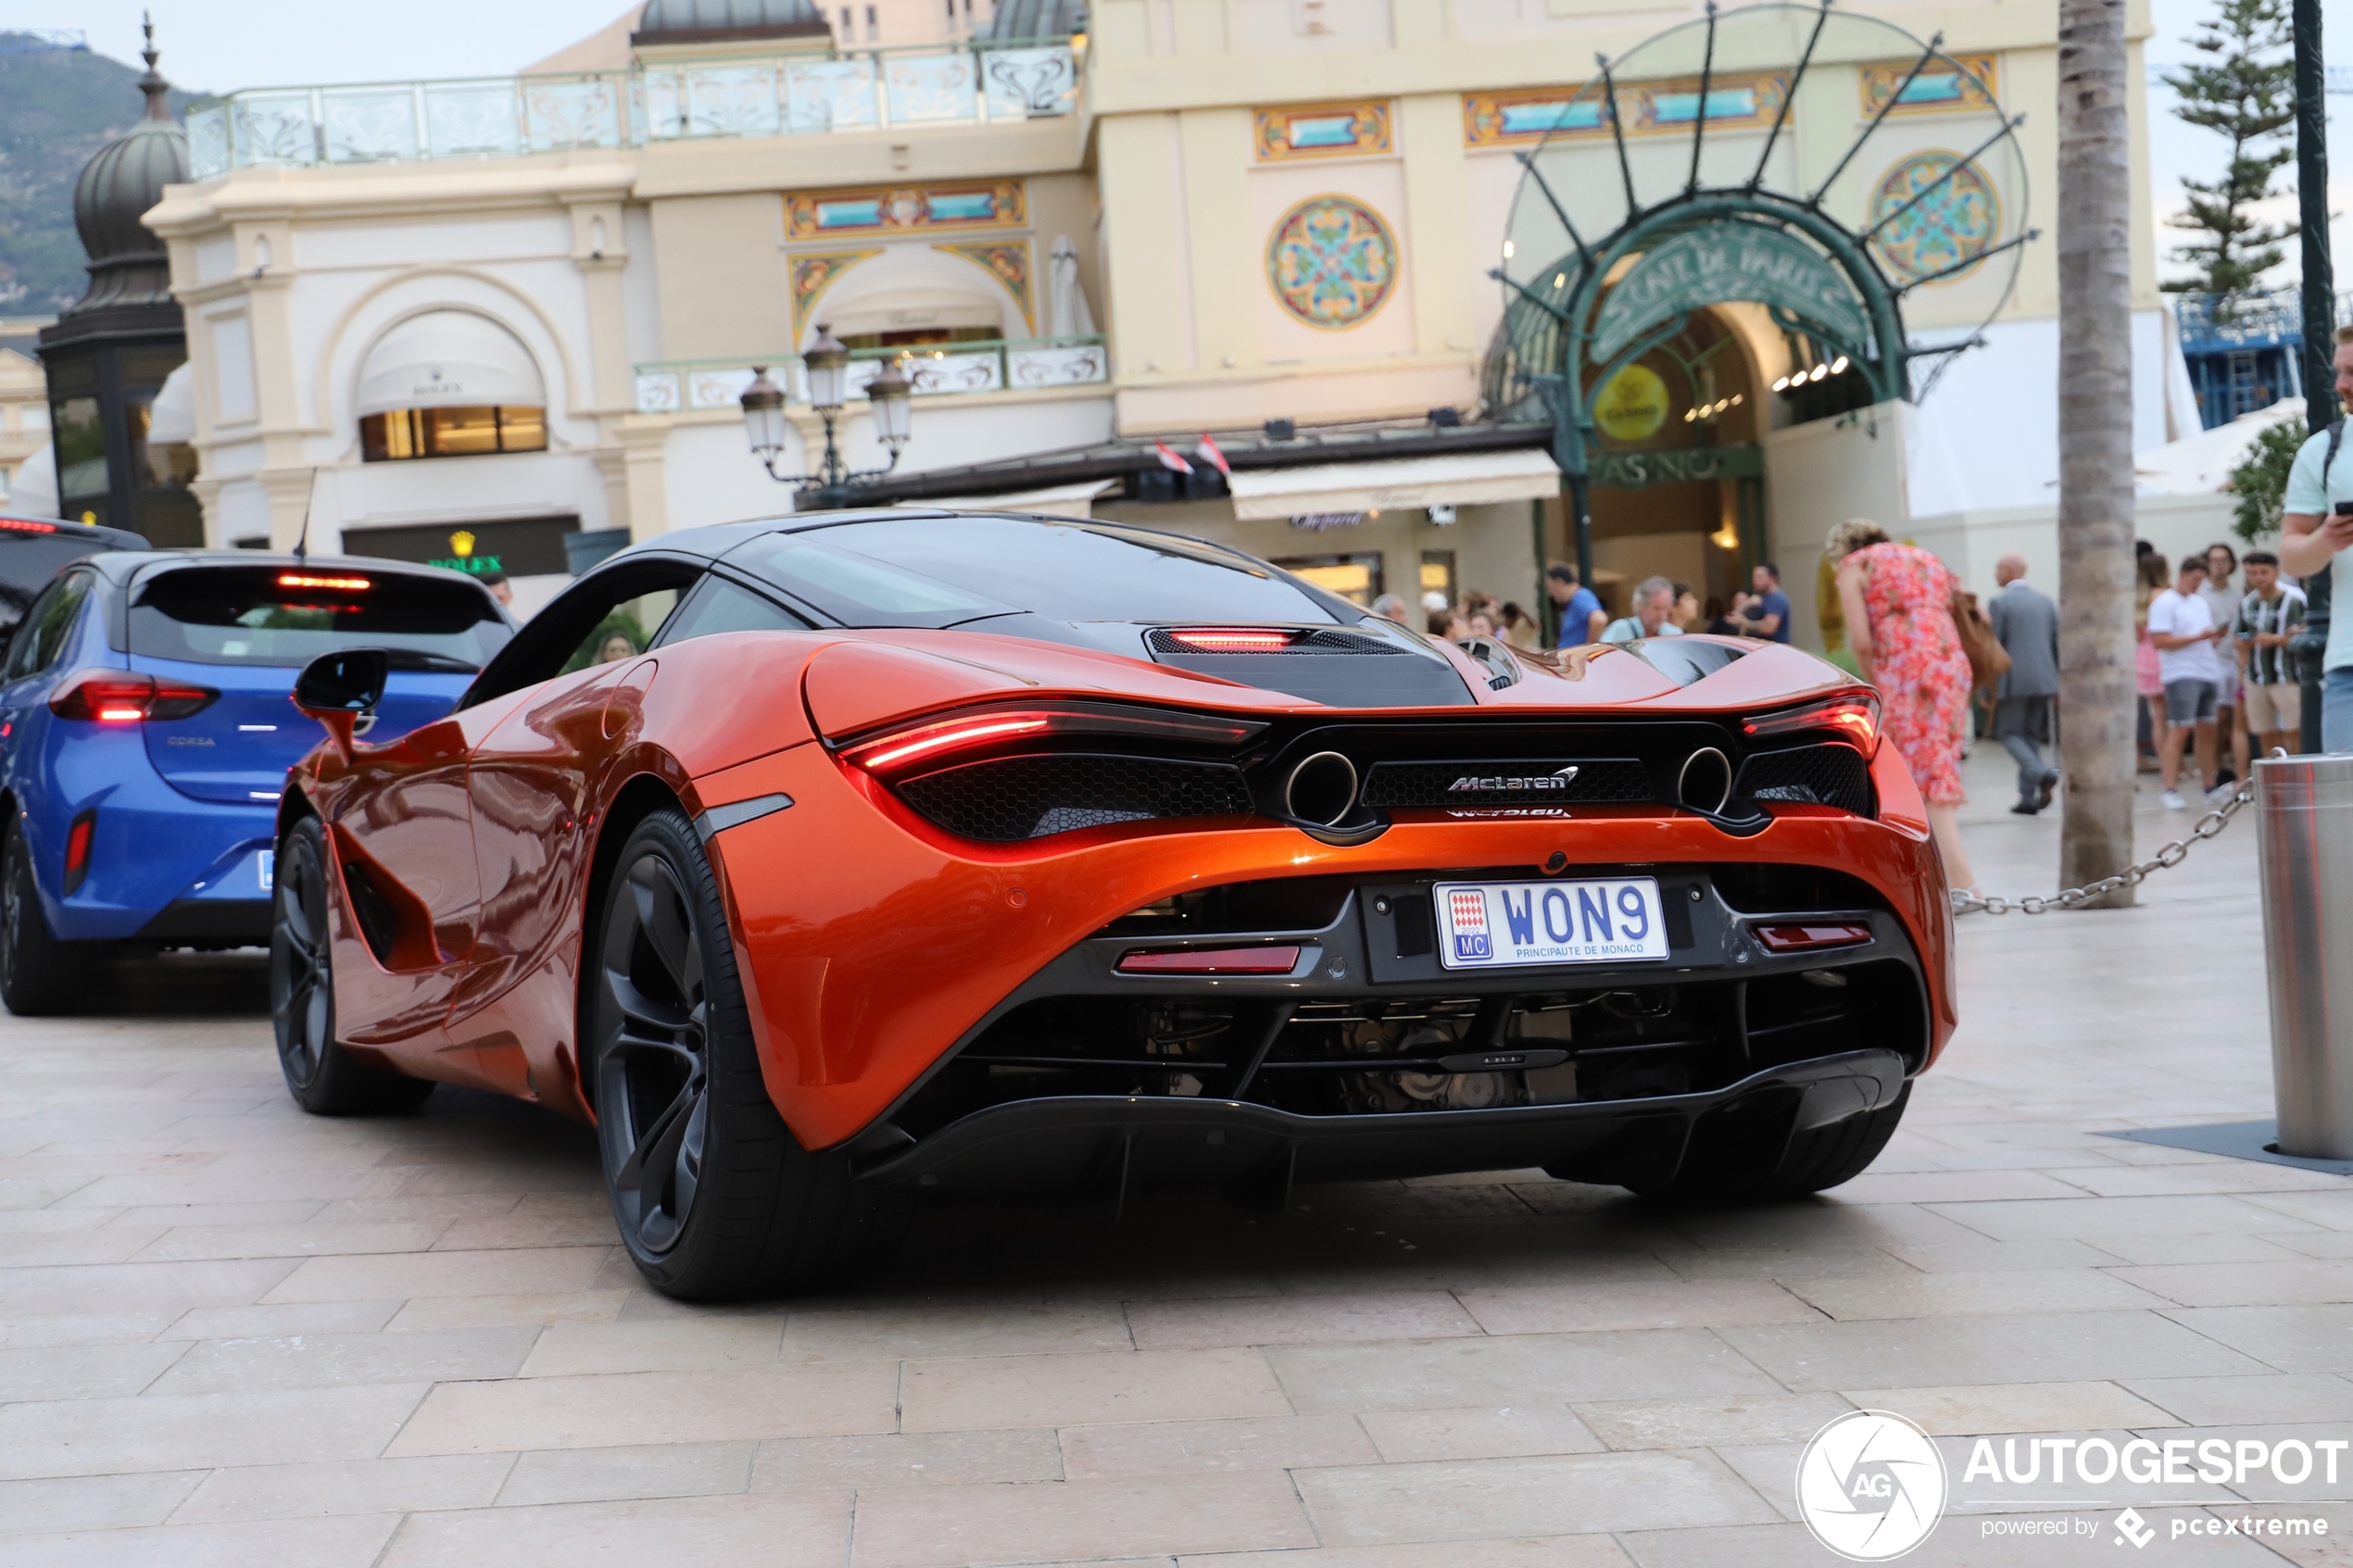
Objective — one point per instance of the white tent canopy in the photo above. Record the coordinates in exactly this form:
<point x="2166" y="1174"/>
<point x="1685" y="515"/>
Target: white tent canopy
<point x="33" y="493"/>
<point x="2201" y="464"/>
<point x="1449" y="479"/>
<point x="448" y="359"/>
<point x="172" y="417"/>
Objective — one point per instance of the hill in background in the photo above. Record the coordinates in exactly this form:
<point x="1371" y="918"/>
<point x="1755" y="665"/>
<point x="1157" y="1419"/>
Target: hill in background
<point x="57" y="107"/>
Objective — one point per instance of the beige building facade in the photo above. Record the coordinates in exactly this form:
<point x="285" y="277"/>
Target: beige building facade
<point x="1198" y="216"/>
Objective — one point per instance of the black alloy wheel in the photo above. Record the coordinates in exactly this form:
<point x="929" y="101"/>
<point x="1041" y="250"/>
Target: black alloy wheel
<point x="653" y="1061"/>
<point x="323" y="1077"/>
<point x="713" y="1195"/>
<point x="39" y="975"/>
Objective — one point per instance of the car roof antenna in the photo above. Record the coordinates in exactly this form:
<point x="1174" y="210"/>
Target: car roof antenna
<point x="302" y="540"/>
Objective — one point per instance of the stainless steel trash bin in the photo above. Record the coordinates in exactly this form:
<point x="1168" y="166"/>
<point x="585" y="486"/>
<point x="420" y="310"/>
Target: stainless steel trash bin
<point x="2304" y="837"/>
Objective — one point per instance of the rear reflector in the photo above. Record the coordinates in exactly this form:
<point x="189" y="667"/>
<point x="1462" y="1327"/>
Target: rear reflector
<point x="1211" y="961"/>
<point x="77" y="836"/>
<point x="1809" y="938"/>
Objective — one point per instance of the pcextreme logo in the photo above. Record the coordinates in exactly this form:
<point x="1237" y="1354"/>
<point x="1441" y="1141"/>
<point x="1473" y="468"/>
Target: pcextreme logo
<point x="1871" y="1486"/>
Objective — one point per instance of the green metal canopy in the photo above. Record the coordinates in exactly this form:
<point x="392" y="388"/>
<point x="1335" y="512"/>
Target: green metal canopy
<point x="1744" y="210"/>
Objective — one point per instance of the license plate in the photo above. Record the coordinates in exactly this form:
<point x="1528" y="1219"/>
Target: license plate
<point x="1504" y="924"/>
<point x="265" y="865"/>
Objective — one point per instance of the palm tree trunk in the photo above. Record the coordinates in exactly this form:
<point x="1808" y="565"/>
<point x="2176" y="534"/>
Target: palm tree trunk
<point x="2095" y="514"/>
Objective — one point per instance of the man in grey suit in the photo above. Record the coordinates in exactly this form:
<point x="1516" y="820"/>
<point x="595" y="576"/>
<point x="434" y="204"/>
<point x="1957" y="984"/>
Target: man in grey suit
<point x="2027" y="623"/>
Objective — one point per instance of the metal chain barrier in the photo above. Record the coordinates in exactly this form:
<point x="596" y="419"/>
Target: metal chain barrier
<point x="2172" y="855"/>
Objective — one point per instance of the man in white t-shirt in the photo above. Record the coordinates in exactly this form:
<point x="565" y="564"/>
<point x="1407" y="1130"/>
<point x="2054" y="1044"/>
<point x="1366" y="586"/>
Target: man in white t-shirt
<point x="2185" y="632"/>
<point x="2315" y="537"/>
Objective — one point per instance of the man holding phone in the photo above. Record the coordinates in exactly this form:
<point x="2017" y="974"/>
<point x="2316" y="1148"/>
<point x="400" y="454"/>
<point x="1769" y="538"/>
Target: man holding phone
<point x="2316" y="534"/>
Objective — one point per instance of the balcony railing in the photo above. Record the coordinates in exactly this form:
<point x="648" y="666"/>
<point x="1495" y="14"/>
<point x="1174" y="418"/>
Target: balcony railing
<point x="2273" y="319"/>
<point x="674" y="386"/>
<point x="789" y="95"/>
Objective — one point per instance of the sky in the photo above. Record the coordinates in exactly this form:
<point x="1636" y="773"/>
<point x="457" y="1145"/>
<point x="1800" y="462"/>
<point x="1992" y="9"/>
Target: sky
<point x="214" y="46"/>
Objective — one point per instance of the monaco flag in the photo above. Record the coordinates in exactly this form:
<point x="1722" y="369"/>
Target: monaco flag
<point x="1207" y="451"/>
<point x="1169" y="459"/>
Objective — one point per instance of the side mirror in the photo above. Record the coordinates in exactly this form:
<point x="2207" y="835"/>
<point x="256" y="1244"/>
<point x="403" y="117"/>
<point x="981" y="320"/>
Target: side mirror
<point x="336" y="688"/>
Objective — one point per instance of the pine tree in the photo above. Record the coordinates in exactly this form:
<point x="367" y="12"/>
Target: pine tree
<point x="2244" y="90"/>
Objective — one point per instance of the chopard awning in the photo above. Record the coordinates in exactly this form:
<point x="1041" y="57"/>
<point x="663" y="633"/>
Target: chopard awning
<point x="1453" y="479"/>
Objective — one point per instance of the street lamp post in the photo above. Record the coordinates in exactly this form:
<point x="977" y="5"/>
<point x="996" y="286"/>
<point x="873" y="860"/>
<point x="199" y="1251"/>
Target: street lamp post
<point x="2320" y="324"/>
<point x="827" y="362"/>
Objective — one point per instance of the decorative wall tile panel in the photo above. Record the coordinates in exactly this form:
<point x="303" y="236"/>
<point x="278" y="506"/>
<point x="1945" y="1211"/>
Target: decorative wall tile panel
<point x="1322" y="131"/>
<point x="1962" y="81"/>
<point x="1008" y="262"/>
<point x="1649" y="109"/>
<point x="1332" y="261"/>
<point x="823" y="214"/>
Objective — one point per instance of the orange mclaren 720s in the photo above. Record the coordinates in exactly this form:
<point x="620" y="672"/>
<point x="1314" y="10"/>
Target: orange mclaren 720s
<point x="833" y="862"/>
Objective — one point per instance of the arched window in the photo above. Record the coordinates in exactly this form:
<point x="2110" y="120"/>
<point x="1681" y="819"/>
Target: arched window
<point x="450" y="383"/>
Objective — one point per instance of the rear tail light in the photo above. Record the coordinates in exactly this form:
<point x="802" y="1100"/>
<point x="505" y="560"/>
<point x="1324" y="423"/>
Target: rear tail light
<point x="26" y="525"/>
<point x="1854" y="716"/>
<point x="79" y="834"/>
<point x="1210" y="960"/>
<point x="920" y="747"/>
<point x="1812" y="938"/>
<point x="127" y="696"/>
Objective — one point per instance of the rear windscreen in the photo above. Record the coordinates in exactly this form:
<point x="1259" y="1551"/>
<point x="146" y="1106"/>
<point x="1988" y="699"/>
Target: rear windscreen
<point x="28" y="561"/>
<point x="945" y="570"/>
<point x="288" y="616"/>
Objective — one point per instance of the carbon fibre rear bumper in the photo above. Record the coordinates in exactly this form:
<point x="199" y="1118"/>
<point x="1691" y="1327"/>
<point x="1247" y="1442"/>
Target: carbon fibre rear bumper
<point x="1255" y="1153"/>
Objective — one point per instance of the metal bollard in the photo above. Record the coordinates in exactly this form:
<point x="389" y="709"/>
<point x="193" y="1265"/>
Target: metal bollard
<point x="2304" y="840"/>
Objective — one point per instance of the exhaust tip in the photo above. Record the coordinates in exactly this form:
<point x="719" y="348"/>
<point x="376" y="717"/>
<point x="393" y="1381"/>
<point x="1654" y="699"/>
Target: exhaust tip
<point x="1322" y="789"/>
<point x="1706" y="783"/>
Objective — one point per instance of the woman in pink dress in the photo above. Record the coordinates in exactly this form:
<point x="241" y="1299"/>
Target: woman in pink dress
<point x="1898" y="602"/>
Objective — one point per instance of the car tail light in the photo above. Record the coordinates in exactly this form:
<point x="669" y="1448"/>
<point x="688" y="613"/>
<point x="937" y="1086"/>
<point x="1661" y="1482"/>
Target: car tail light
<point x="1794" y="938"/>
<point x="26" y="525"/>
<point x="1232" y="639"/>
<point x="1210" y="960"/>
<point x="79" y="834"/>
<point x="920" y="747"/>
<point x="127" y="696"/>
<point x="1856" y="716"/>
<point x="307" y="580"/>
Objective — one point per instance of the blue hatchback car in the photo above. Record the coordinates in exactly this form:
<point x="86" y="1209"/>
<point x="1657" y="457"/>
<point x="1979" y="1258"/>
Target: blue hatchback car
<point x="146" y="727"/>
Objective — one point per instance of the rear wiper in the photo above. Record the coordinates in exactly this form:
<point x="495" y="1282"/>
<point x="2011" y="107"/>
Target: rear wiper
<point x="436" y="663"/>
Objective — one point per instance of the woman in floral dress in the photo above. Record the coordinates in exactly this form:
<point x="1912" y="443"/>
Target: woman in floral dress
<point x="1898" y="601"/>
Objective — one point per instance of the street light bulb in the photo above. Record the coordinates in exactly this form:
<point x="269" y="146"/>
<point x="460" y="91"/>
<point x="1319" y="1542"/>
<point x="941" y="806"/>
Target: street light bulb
<point x="1781" y="386"/>
<point x="828" y="363"/>
<point x="891" y="395"/>
<point x="1838" y="366"/>
<point x="1508" y="249"/>
<point x="763" y="403"/>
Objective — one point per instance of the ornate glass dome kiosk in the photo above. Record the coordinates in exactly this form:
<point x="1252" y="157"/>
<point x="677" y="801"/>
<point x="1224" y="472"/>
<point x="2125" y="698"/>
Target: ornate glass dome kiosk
<point x="1723" y="233"/>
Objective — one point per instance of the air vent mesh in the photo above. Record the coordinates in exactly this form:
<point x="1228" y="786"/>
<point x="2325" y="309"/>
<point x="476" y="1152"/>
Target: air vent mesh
<point x="1014" y="798"/>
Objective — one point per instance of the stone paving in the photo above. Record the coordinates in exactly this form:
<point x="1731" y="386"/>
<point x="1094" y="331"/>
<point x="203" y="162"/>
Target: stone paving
<point x="230" y="1333"/>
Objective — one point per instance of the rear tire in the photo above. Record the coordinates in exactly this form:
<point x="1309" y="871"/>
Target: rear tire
<point x="1815" y="1161"/>
<point x="40" y="976"/>
<point x="714" y="1197"/>
<point x="324" y="1079"/>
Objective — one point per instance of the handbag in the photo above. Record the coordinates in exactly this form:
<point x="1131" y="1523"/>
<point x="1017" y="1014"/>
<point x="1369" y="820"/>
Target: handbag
<point x="1988" y="660"/>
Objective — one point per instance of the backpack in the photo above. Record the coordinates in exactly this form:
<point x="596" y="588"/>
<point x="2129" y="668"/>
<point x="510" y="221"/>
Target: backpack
<point x="2328" y="459"/>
